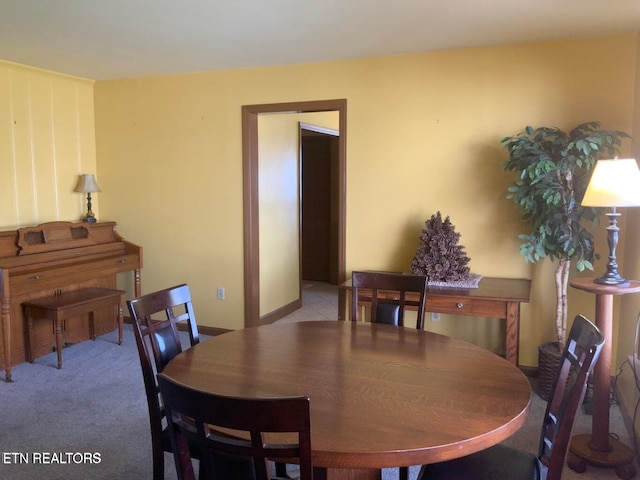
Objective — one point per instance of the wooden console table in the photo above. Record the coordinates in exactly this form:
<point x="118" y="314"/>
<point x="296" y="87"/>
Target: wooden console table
<point x="58" y="308"/>
<point x="599" y="448"/>
<point x="494" y="297"/>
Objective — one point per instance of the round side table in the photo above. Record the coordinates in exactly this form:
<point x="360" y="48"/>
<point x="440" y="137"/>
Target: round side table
<point x="598" y="448"/>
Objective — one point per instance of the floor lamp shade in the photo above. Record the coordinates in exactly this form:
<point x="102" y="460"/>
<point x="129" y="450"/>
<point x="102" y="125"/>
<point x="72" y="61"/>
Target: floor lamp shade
<point x="614" y="183"/>
<point x="87" y="184"/>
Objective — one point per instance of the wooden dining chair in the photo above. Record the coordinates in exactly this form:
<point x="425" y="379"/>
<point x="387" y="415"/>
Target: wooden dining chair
<point x="390" y="294"/>
<point x="155" y="319"/>
<point x="244" y="454"/>
<point x="504" y="463"/>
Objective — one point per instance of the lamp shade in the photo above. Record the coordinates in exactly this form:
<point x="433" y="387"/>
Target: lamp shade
<point x="614" y="183"/>
<point x="87" y="184"/>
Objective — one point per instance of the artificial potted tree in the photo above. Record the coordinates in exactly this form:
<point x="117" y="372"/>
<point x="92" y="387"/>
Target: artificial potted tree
<point x="554" y="168"/>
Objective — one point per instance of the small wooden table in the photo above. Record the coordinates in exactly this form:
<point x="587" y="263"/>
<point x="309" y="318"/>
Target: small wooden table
<point x="381" y="396"/>
<point x="494" y="297"/>
<point x="58" y="308"/>
<point x="599" y="448"/>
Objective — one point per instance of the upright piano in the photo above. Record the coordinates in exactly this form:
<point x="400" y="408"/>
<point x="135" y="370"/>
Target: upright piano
<point x="51" y="259"/>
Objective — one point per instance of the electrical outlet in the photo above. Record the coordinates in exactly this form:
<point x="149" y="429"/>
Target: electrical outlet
<point x="435" y="317"/>
<point x="220" y="293"/>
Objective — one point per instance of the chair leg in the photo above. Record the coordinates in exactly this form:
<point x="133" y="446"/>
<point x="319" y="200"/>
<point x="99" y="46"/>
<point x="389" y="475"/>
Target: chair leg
<point x="158" y="464"/>
<point x="404" y="473"/>
<point x="281" y="470"/>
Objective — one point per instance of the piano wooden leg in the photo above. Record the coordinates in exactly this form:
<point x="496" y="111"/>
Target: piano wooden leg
<point x="5" y="312"/>
<point x="120" y="324"/>
<point x="59" y="327"/>
<point x="92" y="325"/>
<point x="137" y="282"/>
<point x="27" y="333"/>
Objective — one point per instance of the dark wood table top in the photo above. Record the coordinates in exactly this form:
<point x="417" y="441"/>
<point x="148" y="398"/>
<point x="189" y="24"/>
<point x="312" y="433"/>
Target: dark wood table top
<point x="381" y="396"/>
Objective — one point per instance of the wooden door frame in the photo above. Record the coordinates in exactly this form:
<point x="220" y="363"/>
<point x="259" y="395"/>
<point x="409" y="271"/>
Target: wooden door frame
<point x="250" y="173"/>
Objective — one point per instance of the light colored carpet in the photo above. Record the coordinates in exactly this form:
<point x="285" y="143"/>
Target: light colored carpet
<point x="95" y="406"/>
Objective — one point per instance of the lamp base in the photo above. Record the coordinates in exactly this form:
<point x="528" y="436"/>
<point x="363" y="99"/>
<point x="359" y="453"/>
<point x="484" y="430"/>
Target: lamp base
<point x="615" y="280"/>
<point x="90" y="219"/>
<point x="612" y="277"/>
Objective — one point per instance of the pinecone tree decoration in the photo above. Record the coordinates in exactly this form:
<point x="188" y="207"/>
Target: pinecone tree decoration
<point x="440" y="257"/>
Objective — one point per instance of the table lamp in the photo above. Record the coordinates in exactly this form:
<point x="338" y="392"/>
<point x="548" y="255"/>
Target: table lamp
<point x="614" y="183"/>
<point x="87" y="184"/>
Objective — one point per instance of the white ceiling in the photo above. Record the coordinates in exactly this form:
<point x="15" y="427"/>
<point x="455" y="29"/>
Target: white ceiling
<point x="106" y="39"/>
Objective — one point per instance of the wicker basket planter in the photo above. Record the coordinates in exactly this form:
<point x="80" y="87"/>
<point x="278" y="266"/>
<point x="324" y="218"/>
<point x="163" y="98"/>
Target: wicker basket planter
<point x="548" y="363"/>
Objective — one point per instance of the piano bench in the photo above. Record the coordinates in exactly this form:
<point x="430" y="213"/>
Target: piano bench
<point x="58" y="308"/>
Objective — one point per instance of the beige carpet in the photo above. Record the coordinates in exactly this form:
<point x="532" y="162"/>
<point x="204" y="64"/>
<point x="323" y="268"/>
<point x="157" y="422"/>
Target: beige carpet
<point x="96" y="405"/>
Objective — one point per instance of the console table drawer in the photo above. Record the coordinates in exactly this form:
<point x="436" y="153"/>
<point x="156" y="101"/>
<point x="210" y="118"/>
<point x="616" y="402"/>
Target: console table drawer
<point x="466" y="306"/>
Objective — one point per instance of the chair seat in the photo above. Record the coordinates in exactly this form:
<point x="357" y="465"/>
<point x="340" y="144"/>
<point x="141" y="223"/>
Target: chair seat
<point x="496" y="463"/>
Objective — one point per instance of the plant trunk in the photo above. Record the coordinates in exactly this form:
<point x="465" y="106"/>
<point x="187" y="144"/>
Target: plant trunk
<point x="562" y="282"/>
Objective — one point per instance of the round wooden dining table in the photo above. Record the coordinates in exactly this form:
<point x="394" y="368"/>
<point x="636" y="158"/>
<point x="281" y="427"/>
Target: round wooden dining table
<point x="380" y="396"/>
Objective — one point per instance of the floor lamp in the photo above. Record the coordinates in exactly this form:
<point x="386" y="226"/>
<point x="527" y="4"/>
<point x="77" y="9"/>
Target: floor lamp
<point x="614" y="183"/>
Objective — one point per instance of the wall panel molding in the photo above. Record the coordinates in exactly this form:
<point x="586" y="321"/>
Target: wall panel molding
<point x="47" y="138"/>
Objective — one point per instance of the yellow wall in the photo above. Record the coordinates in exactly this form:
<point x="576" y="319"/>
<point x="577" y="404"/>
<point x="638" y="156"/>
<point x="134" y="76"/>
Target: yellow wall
<point x="47" y="138"/>
<point x="423" y="135"/>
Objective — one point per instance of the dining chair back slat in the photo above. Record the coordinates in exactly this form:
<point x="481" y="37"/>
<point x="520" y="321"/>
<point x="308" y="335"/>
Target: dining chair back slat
<point x="390" y="295"/>
<point x="232" y="433"/>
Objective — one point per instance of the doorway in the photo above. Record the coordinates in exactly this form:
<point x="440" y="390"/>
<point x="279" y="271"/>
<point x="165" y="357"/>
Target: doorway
<point x="319" y="203"/>
<point x="251" y="175"/>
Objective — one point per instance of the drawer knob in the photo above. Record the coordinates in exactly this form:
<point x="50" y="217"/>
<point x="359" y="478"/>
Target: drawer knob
<point x="36" y="277"/>
<point x="459" y="305"/>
